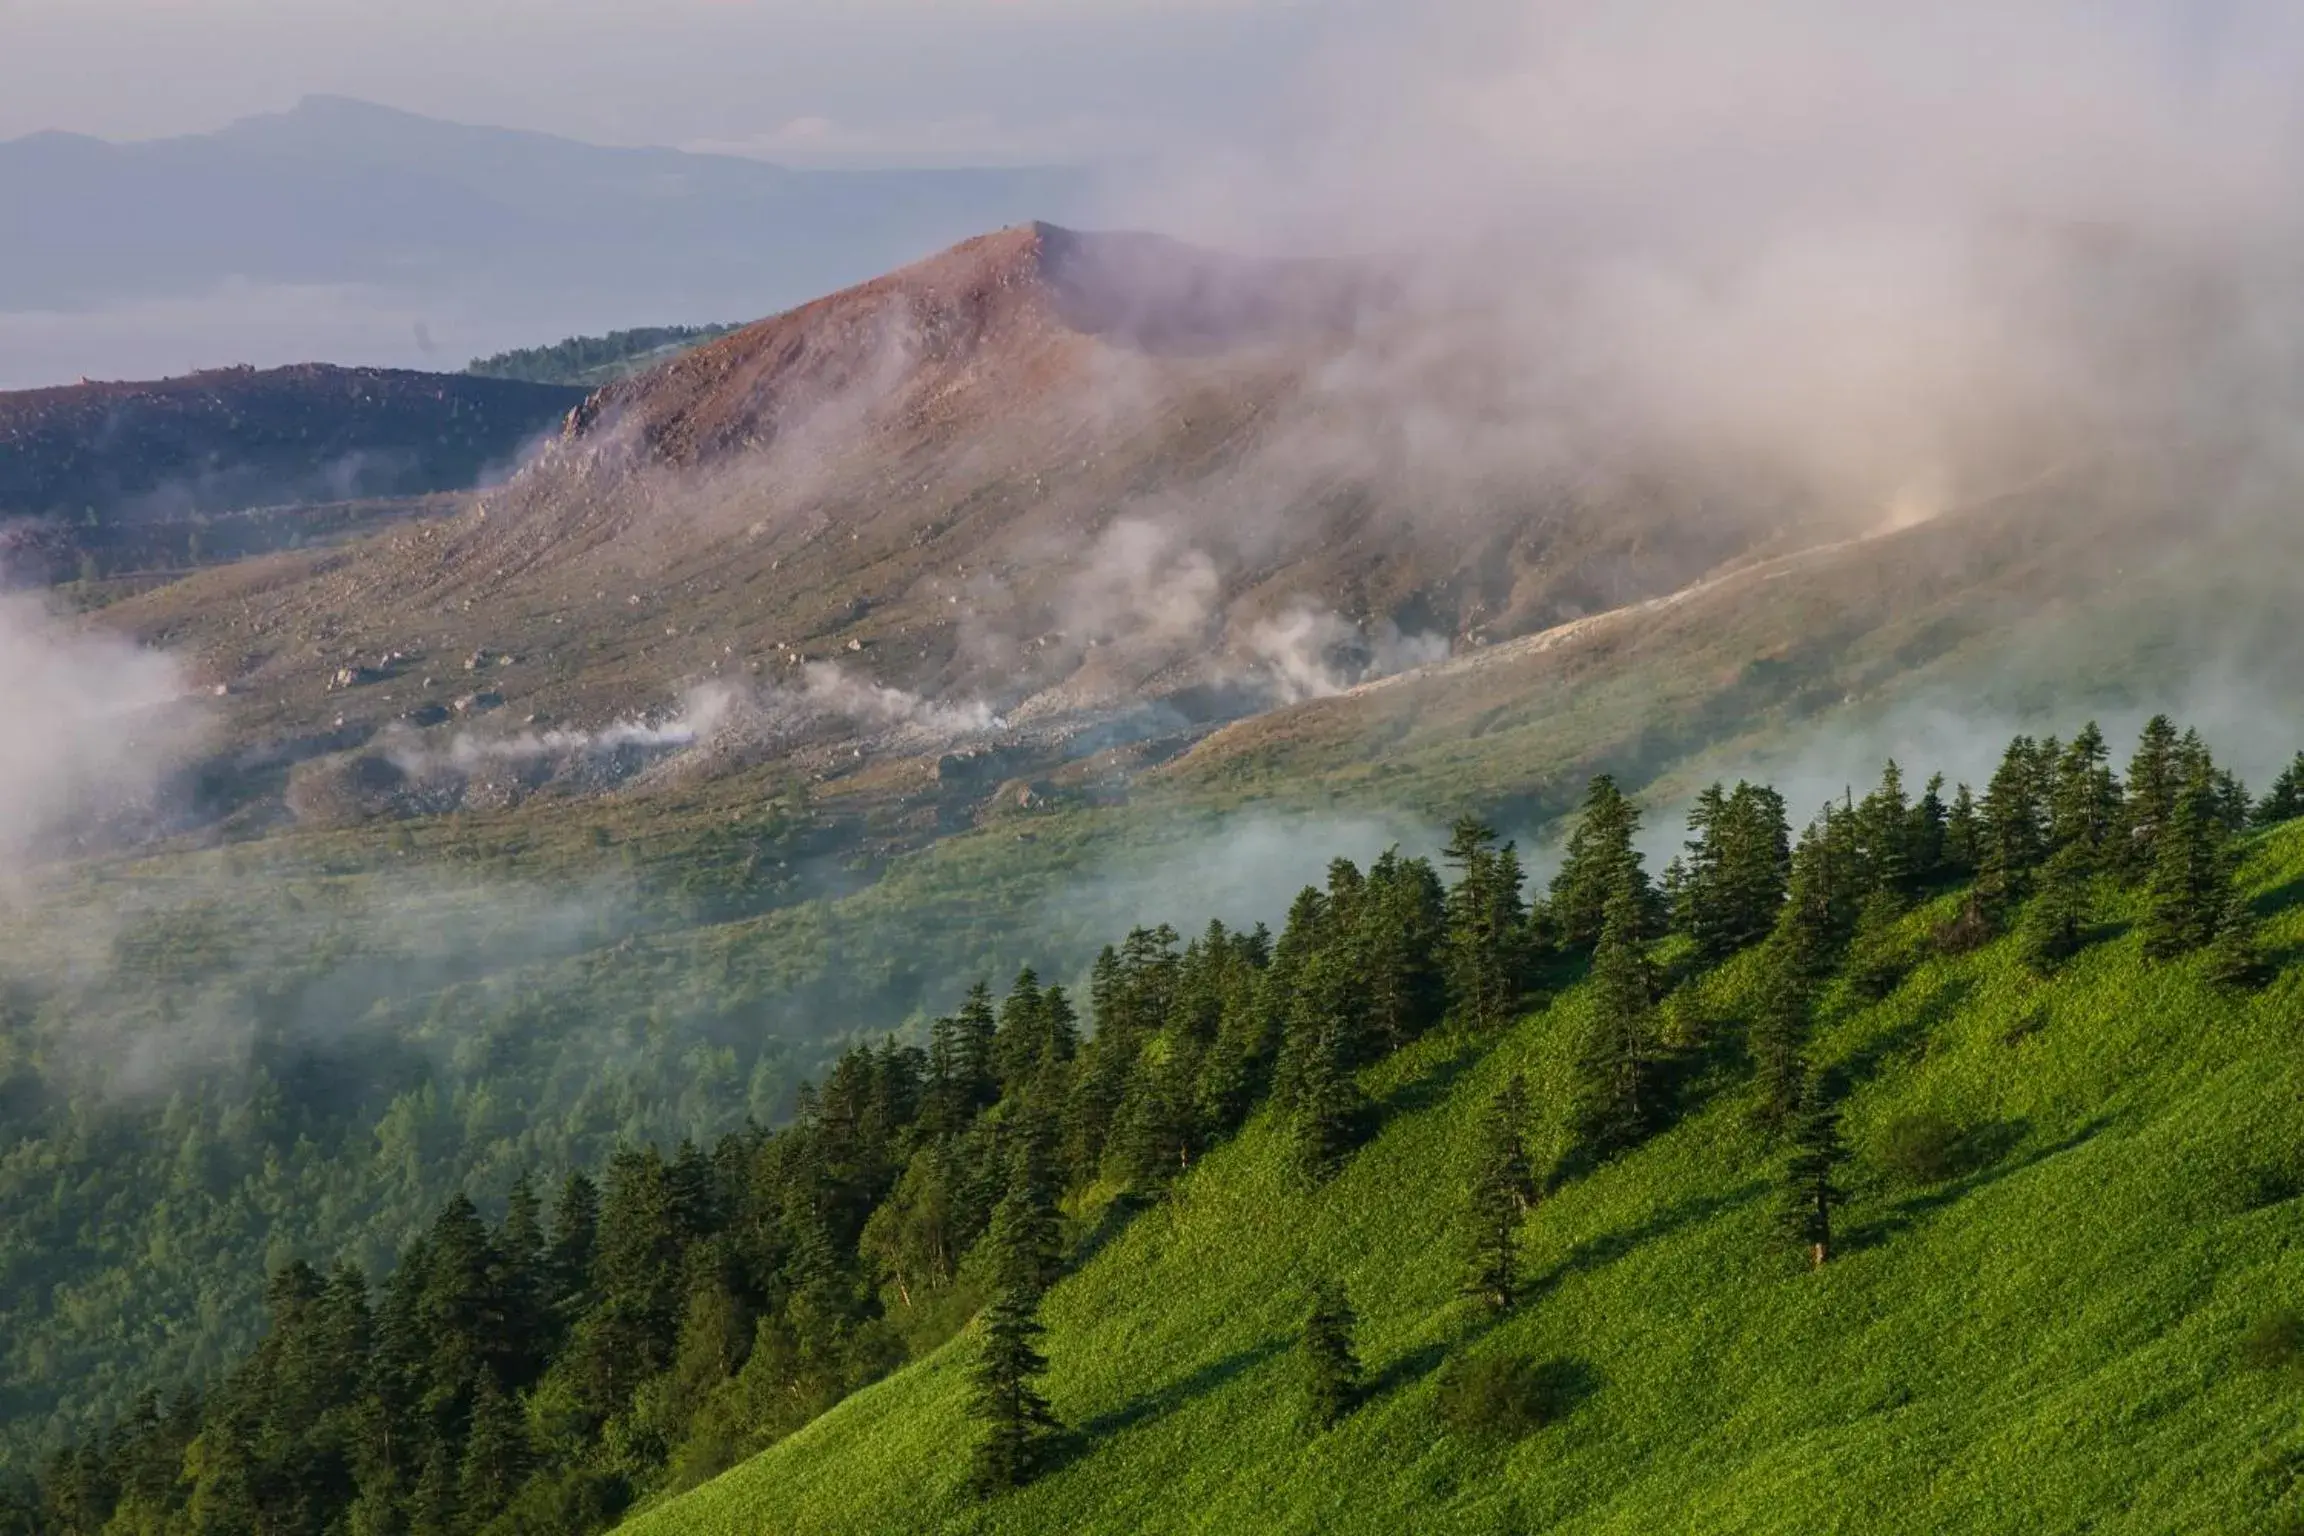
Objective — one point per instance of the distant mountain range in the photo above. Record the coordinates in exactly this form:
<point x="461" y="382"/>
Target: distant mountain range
<point x="488" y="236"/>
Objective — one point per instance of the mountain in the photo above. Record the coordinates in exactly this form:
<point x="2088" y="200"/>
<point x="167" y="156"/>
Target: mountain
<point x="1060" y="584"/>
<point x="1047" y="493"/>
<point x="136" y="475"/>
<point x="495" y="235"/>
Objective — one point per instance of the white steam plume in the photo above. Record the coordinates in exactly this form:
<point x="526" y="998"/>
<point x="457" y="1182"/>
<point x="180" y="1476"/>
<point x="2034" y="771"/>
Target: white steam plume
<point x="1900" y="255"/>
<point x="95" y="724"/>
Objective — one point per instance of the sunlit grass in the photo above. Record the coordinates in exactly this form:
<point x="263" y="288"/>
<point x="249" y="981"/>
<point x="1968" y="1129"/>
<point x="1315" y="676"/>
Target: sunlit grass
<point x="2046" y="1340"/>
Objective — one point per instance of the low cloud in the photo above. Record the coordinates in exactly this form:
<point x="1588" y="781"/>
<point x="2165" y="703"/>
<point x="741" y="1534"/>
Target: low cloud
<point x="95" y="727"/>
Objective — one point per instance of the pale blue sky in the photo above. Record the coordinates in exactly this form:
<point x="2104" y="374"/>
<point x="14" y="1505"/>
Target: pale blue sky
<point x="797" y="79"/>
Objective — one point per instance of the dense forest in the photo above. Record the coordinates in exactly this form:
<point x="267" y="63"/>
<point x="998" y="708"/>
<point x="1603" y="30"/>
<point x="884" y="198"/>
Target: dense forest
<point x="634" y="1332"/>
<point x="592" y="360"/>
<point x="104" y="454"/>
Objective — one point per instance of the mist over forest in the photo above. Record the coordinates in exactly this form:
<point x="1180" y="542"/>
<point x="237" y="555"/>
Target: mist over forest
<point x="1549" y="779"/>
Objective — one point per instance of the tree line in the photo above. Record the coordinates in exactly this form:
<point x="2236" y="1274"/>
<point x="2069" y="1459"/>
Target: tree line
<point x="643" y="1330"/>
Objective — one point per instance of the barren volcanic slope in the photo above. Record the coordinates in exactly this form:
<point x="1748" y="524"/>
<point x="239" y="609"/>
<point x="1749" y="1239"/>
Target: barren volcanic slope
<point x="1039" y="479"/>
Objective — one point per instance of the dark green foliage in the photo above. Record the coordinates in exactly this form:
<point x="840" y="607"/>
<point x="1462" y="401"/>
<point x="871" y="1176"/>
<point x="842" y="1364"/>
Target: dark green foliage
<point x="1822" y="897"/>
<point x="596" y="359"/>
<point x="1778" y="1038"/>
<point x="2285" y="800"/>
<point x="1733" y="875"/>
<point x="2233" y="958"/>
<point x="1330" y="1365"/>
<point x="1503" y="1188"/>
<point x="1600" y="859"/>
<point x="1017" y="1423"/>
<point x="1492" y="1397"/>
<point x="1963" y="833"/>
<point x="1921" y="1148"/>
<point x="1328" y="1107"/>
<point x="2012" y="826"/>
<point x="2190" y="872"/>
<point x="533" y="1374"/>
<point x="1397" y="941"/>
<point x="1889" y="840"/>
<point x="2084" y="802"/>
<point x="2274" y="1342"/>
<point x="1810" y="1195"/>
<point x="2155" y="781"/>
<point x="2055" y="921"/>
<point x="1486" y="928"/>
<point x="1877" y="959"/>
<point x="1617" y="1062"/>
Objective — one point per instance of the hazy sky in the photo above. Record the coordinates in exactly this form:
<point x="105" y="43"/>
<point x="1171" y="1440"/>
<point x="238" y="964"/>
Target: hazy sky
<point x="797" y="79"/>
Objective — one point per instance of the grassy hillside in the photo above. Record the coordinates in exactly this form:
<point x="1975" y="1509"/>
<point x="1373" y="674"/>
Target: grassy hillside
<point x="2046" y="1339"/>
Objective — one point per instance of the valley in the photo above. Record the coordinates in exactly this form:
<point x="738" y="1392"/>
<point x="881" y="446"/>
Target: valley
<point x="1059" y="586"/>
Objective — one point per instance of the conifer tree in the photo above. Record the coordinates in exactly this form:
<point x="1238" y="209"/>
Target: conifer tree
<point x="1331" y="1367"/>
<point x="2055" y="922"/>
<point x="2285" y="800"/>
<point x="497" y="1455"/>
<point x="2155" y="782"/>
<point x="2234" y="958"/>
<point x="2189" y="874"/>
<point x="1883" y="828"/>
<point x="1397" y="943"/>
<point x="1328" y="1108"/>
<point x="2010" y="828"/>
<point x="523" y="1284"/>
<point x="1876" y="961"/>
<point x="1810" y="1196"/>
<point x="1486" y="936"/>
<point x="1929" y="832"/>
<point x="1734" y="871"/>
<point x="1620" y="1043"/>
<point x="1018" y="1424"/>
<point x="975" y="1068"/>
<point x="1963" y="837"/>
<point x="2084" y="805"/>
<point x="1821" y="897"/>
<point x="1600" y="857"/>
<point x="1503" y="1187"/>
<point x="1156" y="1134"/>
<point x="1779" y="1032"/>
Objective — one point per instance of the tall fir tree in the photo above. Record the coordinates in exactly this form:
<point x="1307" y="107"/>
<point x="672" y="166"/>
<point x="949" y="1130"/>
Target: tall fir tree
<point x="2011" y="829"/>
<point x="2235" y="958"/>
<point x="2189" y="873"/>
<point x="1876" y="956"/>
<point x="2155" y="783"/>
<point x="1486" y="928"/>
<point x="2285" y="800"/>
<point x="1503" y="1187"/>
<point x="1600" y="857"/>
<point x="1780" y="1027"/>
<point x="1397" y="944"/>
<point x="1734" y="869"/>
<point x="1018" y="1425"/>
<point x="2084" y="805"/>
<point x="1619" y="1050"/>
<point x="1328" y="1109"/>
<point x="2055" y="921"/>
<point x="1883" y="828"/>
<point x="1330" y="1364"/>
<point x="1963" y="836"/>
<point x="1810" y="1195"/>
<point x="1930" y="833"/>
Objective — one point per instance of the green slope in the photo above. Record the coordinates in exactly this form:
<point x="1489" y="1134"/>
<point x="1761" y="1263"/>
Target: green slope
<point x="2045" y="1342"/>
